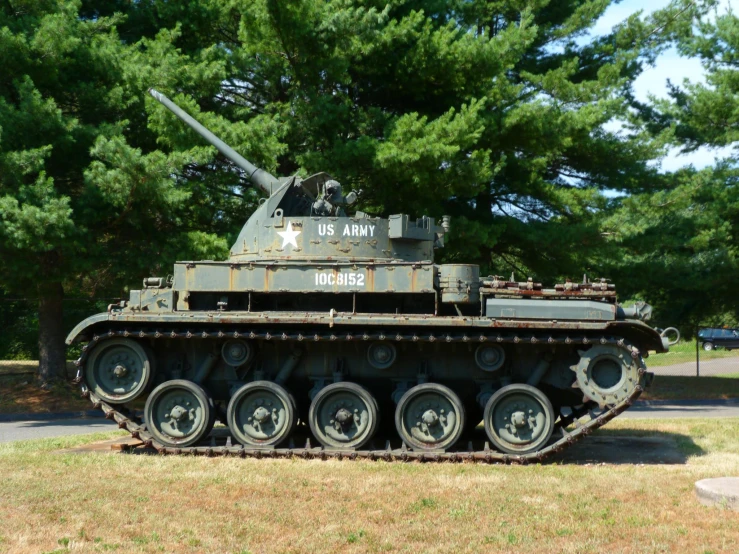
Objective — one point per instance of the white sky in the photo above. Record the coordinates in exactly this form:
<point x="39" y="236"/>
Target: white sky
<point x="670" y="66"/>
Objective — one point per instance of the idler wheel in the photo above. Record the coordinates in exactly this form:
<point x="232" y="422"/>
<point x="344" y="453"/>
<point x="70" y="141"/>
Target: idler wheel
<point x="429" y="417"/>
<point x="119" y="370"/>
<point x="489" y="357"/>
<point x="606" y="374"/>
<point x="381" y="354"/>
<point x="237" y="352"/>
<point x="179" y="413"/>
<point x="261" y="413"/>
<point x="343" y="415"/>
<point x="519" y="419"/>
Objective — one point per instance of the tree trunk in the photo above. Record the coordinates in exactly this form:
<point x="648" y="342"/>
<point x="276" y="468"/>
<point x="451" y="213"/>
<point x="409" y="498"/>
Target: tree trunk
<point x="51" y="348"/>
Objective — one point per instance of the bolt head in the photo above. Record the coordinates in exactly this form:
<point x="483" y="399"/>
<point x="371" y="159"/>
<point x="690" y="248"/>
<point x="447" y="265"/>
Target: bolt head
<point x="261" y="415"/>
<point x="430" y="418"/>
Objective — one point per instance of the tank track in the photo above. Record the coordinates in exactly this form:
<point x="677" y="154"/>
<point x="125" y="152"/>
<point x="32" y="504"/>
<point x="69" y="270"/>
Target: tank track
<point x="562" y="438"/>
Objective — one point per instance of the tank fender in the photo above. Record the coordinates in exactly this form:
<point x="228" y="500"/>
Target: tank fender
<point x="81" y="330"/>
<point x="640" y="335"/>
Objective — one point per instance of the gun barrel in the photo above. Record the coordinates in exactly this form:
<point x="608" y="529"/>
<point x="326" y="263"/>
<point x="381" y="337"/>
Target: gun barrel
<point x="259" y="177"/>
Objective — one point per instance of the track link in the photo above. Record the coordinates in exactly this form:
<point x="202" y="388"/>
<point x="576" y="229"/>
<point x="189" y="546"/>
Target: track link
<point x="562" y="439"/>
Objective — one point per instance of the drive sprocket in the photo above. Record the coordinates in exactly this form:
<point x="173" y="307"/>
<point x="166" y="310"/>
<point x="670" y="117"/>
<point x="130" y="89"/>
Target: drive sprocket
<point x="607" y="373"/>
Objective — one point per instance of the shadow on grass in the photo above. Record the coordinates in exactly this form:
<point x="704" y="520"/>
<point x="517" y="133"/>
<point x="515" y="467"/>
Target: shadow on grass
<point x="617" y="446"/>
<point x="626" y="446"/>
<point x="604" y="446"/>
<point x="671" y="387"/>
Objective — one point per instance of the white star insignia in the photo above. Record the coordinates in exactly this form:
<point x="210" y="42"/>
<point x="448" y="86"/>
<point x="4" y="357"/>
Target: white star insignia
<point x="288" y="236"/>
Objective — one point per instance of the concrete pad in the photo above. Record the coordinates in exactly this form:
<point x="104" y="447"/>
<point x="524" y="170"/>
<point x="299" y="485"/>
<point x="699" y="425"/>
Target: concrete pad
<point x="621" y="450"/>
<point x="720" y="491"/>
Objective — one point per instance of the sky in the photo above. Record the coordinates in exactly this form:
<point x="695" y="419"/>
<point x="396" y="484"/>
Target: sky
<point x="670" y="65"/>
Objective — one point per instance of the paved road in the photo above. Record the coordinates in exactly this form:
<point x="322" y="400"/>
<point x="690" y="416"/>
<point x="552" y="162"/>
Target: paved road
<point x="21" y="430"/>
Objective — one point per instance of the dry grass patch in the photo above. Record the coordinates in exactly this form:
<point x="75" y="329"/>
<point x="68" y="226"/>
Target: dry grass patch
<point x="127" y="503"/>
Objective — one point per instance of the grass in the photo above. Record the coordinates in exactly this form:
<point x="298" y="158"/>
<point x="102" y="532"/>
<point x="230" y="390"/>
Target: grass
<point x="54" y="502"/>
<point x="684" y="352"/>
<point x="670" y="387"/>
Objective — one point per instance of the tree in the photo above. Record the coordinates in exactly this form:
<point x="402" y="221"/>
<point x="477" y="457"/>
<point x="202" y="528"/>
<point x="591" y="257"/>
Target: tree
<point x="683" y="240"/>
<point x="492" y="111"/>
<point x="87" y="201"/>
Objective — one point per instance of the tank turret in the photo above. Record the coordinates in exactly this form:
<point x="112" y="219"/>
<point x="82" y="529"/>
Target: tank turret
<point x="307" y="218"/>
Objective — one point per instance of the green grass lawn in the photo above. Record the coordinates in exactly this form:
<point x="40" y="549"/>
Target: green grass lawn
<point x="684" y="351"/>
<point x="97" y="502"/>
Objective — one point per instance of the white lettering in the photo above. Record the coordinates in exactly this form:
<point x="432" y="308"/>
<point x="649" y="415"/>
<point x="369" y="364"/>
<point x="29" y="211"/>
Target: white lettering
<point x="340" y="279"/>
<point x="349" y="230"/>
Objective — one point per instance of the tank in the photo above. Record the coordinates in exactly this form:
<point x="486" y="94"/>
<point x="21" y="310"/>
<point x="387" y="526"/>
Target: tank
<point x="329" y="332"/>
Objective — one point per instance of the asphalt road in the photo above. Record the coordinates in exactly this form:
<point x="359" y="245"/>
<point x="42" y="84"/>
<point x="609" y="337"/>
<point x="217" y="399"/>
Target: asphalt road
<point x="39" y="429"/>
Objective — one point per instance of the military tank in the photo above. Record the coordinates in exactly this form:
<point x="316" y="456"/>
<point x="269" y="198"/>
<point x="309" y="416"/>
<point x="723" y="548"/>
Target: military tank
<point x="329" y="332"/>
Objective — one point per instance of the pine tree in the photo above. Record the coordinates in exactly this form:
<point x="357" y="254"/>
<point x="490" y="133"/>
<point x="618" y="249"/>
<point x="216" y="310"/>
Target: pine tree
<point x="87" y="201"/>
<point x="683" y="240"/>
<point x="494" y="112"/>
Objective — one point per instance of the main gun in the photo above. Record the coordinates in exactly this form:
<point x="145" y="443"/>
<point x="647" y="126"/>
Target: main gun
<point x="262" y="179"/>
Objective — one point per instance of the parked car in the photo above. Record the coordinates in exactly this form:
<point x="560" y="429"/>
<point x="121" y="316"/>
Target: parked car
<point x="718" y="338"/>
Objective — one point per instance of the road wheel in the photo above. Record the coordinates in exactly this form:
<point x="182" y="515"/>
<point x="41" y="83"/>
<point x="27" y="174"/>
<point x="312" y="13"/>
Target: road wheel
<point x="179" y="413"/>
<point x="708" y="346"/>
<point x="261" y="413"/>
<point x="519" y="419"/>
<point x="430" y="417"/>
<point x="119" y="370"/>
<point x="343" y="415"/>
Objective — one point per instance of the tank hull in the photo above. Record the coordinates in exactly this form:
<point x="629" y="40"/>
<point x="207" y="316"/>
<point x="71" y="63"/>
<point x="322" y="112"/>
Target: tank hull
<point x="335" y="348"/>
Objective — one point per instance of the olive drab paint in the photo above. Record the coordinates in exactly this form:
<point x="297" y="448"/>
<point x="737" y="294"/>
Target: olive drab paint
<point x="339" y="318"/>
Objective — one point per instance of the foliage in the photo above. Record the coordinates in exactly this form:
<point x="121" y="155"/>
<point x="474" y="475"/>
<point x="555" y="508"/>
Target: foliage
<point x="679" y="246"/>
<point x="493" y="112"/>
<point x="81" y="179"/>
